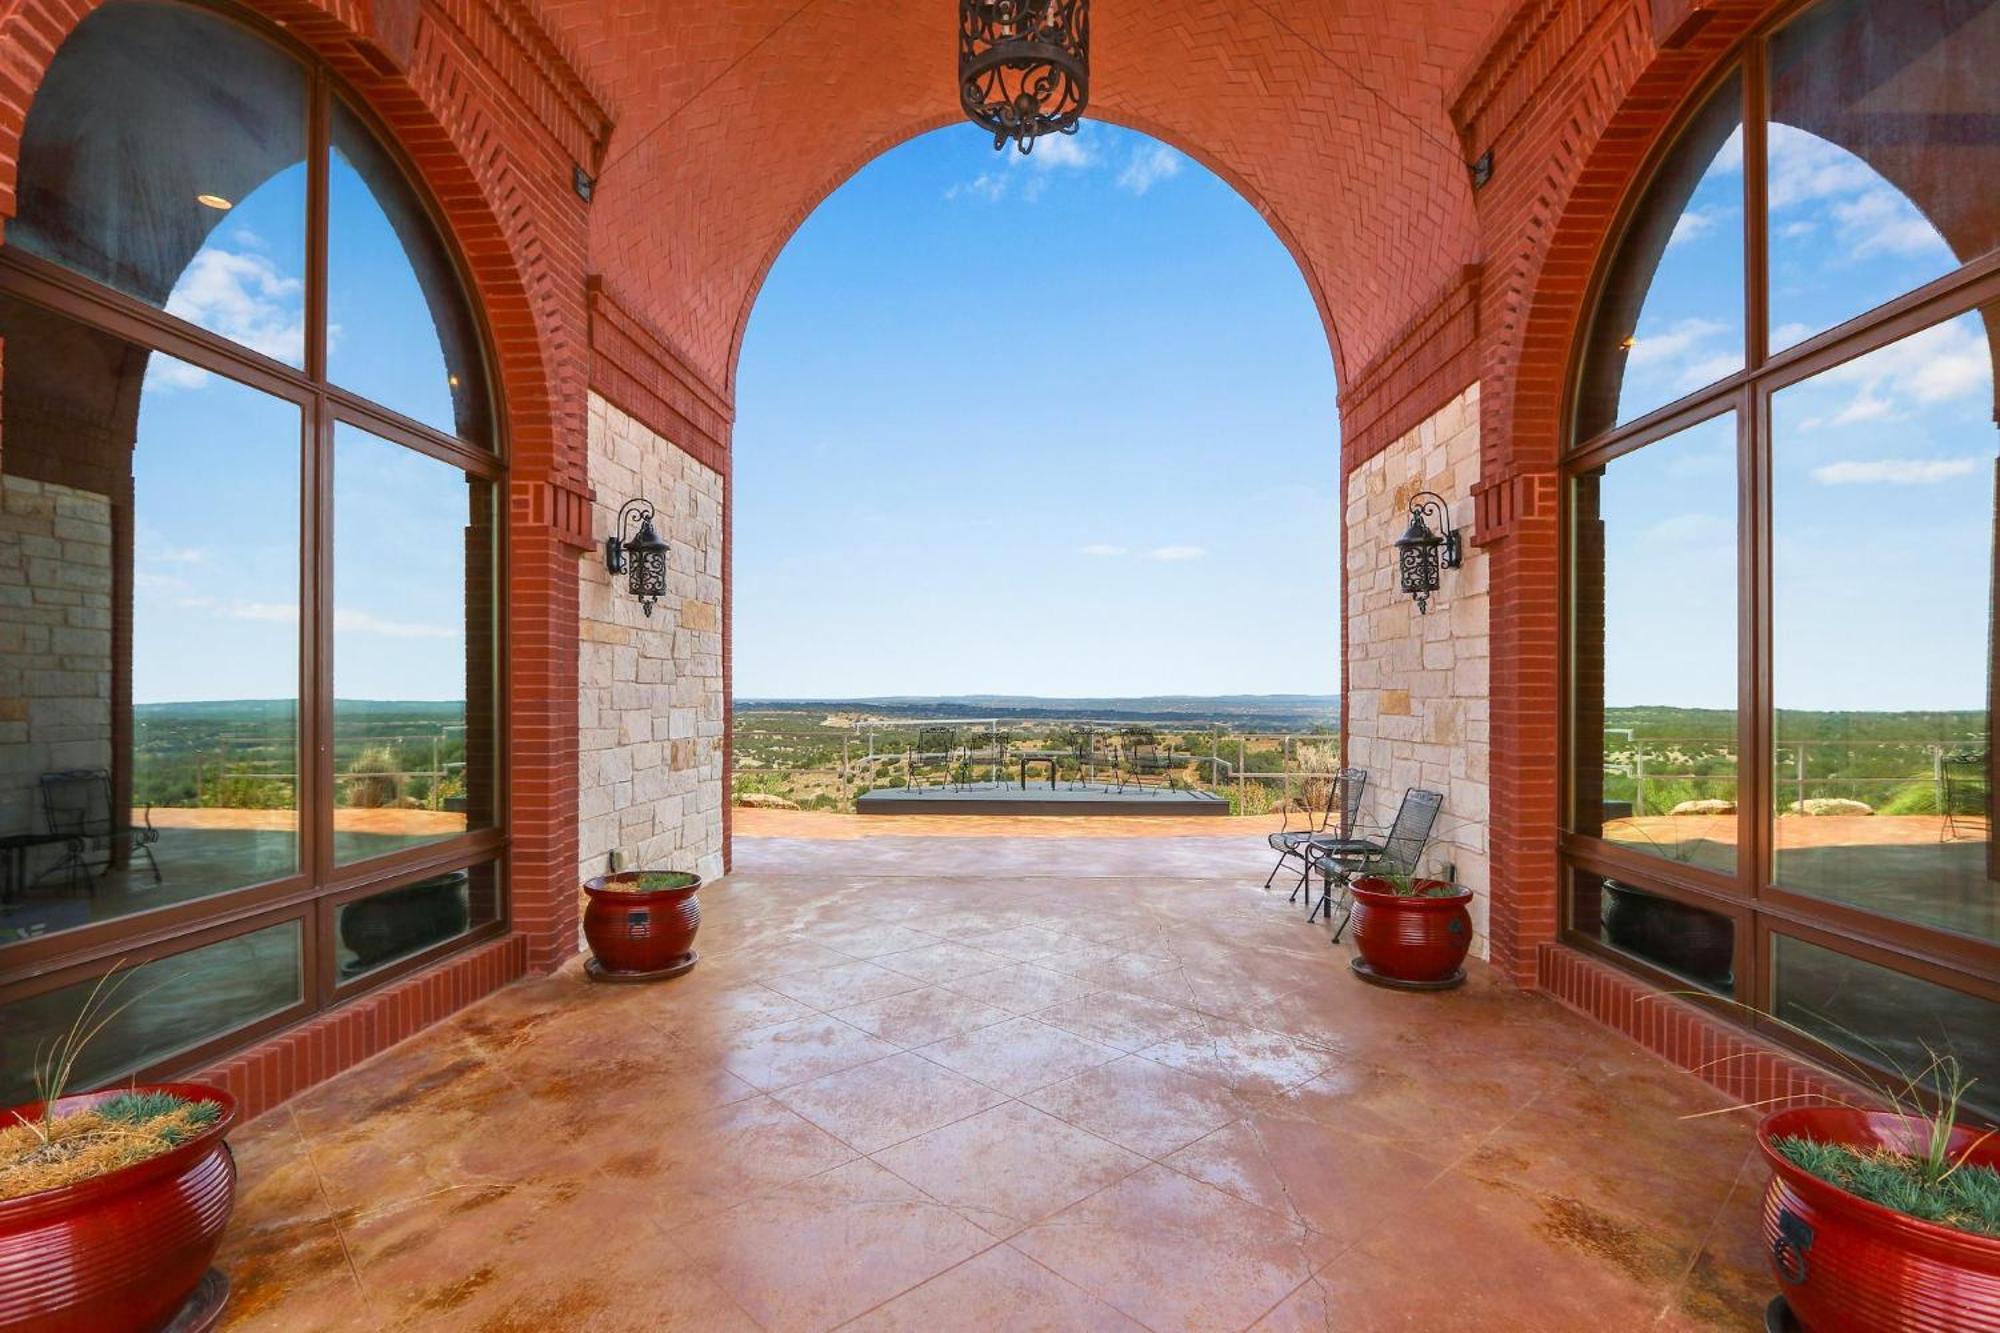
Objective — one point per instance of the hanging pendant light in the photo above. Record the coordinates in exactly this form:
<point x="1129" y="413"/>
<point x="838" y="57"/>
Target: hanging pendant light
<point x="1024" y="67"/>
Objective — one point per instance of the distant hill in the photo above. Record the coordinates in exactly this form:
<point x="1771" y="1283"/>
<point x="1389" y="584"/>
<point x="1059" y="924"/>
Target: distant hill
<point x="1278" y="710"/>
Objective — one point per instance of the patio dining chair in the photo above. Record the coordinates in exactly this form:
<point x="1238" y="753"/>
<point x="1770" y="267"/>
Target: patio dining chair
<point x="1341" y="861"/>
<point x="77" y="805"/>
<point x="1343" y="804"/>
<point x="935" y="743"/>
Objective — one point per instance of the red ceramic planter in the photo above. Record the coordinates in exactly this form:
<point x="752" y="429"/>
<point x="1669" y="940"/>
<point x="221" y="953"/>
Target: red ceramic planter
<point x="1846" y="1264"/>
<point x="1410" y="940"/>
<point x="120" y="1253"/>
<point x="640" y="936"/>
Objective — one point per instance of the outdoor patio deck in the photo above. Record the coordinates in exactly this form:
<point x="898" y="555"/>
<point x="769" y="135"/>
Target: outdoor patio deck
<point x="944" y="1082"/>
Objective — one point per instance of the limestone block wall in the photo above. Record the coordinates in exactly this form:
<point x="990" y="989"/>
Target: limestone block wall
<point x="1416" y="689"/>
<point x="55" y="639"/>
<point x="650" y="703"/>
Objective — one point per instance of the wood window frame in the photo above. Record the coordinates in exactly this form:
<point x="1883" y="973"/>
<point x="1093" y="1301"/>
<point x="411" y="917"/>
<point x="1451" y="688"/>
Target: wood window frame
<point x="1760" y="907"/>
<point x="311" y="895"/>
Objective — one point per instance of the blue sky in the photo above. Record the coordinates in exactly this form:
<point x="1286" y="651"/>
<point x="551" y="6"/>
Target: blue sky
<point x="1061" y="425"/>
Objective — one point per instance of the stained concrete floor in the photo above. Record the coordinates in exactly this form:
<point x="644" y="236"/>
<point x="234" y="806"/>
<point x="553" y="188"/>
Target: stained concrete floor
<point x="998" y="1082"/>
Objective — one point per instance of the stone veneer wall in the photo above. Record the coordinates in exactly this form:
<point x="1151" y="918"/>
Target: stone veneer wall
<point x="1416" y="689"/>
<point x="55" y="639"/>
<point x="650" y="706"/>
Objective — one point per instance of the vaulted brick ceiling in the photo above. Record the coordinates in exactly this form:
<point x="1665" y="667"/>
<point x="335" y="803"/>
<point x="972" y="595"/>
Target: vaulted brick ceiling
<point x="734" y="119"/>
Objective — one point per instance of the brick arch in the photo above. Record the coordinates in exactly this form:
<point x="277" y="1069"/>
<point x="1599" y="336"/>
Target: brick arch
<point x="733" y="120"/>
<point x="1563" y="222"/>
<point x="846" y="171"/>
<point x="499" y="174"/>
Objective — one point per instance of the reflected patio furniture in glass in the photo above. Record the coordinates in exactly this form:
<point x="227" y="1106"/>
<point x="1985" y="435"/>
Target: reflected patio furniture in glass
<point x="77" y="805"/>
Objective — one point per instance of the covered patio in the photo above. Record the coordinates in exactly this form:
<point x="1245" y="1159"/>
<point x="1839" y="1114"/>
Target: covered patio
<point x="1001" y="1075"/>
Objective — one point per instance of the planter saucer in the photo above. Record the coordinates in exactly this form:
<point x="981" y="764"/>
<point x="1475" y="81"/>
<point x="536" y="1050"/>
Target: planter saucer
<point x="203" y="1307"/>
<point x="1778" y="1317"/>
<point x="598" y="972"/>
<point x="1374" y="978"/>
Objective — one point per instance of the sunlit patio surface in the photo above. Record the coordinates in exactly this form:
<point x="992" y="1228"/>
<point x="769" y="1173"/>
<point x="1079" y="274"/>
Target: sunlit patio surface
<point x="1001" y="1082"/>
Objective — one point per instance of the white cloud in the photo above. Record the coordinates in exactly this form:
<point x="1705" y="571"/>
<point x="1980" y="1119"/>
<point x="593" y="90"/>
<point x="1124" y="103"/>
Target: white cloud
<point x="244" y="298"/>
<point x="1895" y="471"/>
<point x="1053" y="153"/>
<point x="1060" y="150"/>
<point x="1177" y="553"/>
<point x="1676" y="343"/>
<point x="1936" y="365"/>
<point x="1690" y="529"/>
<point x="1693" y="225"/>
<point x="1869" y="214"/>
<point x="279" y="611"/>
<point x="1149" y="166"/>
<point x="1101" y="549"/>
<point x="361" y="622"/>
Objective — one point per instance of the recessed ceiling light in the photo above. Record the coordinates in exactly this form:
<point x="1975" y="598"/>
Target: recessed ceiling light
<point x="214" y="201"/>
<point x="1629" y="341"/>
<point x="452" y="380"/>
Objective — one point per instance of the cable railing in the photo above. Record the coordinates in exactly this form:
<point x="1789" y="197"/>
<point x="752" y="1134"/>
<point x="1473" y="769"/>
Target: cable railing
<point x="1256" y="771"/>
<point x="1656" y="773"/>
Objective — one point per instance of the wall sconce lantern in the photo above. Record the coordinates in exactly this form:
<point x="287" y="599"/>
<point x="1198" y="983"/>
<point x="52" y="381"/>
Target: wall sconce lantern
<point x="1420" y="551"/>
<point x="642" y="558"/>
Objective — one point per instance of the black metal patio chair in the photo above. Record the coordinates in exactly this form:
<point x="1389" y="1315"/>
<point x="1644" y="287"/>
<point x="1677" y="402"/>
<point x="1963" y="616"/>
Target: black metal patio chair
<point x="934" y="743"/>
<point x="1340" y="861"/>
<point x="77" y="805"/>
<point x="1140" y="757"/>
<point x="1344" y="791"/>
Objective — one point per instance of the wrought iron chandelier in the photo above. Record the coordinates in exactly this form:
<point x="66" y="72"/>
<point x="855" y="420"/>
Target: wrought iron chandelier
<point x="1024" y="67"/>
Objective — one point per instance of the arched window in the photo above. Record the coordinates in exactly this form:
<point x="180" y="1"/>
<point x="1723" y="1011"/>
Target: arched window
<point x="249" y="547"/>
<point x="1781" y="529"/>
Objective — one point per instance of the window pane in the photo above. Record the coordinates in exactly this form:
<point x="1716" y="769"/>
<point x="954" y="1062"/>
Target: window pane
<point x="149" y="659"/>
<point x="1887" y="1019"/>
<point x="398" y="328"/>
<point x="1654" y="670"/>
<point x="1883" y="150"/>
<point x="1673" y="936"/>
<point x="377" y="930"/>
<point x="413" y="661"/>
<point x="1670" y="320"/>
<point x="175" y="1003"/>
<point x="165" y="156"/>
<point x="1882" y="559"/>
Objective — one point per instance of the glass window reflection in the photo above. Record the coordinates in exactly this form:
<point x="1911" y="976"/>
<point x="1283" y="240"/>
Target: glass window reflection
<point x="413" y="660"/>
<point x="1670" y="320"/>
<point x="386" y="927"/>
<point x="149" y="632"/>
<point x="1654" y="660"/>
<point x="1882" y="557"/>
<point x="398" y="329"/>
<point x="1882" y="150"/>
<point x="176" y="1003"/>
<point x="165" y="156"/>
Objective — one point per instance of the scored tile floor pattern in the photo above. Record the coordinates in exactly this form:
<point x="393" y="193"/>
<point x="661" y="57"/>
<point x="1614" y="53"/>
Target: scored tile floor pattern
<point x="1042" y="1089"/>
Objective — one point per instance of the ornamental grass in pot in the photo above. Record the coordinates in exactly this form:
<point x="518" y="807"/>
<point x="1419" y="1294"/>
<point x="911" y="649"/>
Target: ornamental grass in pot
<point x="112" y="1203"/>
<point x="641" y="924"/>
<point x="1410" y="932"/>
<point x="1881" y="1214"/>
<point x="1886" y="1219"/>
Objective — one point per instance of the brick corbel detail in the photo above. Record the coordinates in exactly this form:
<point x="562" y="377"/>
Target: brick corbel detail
<point x="1429" y="361"/>
<point x="633" y="366"/>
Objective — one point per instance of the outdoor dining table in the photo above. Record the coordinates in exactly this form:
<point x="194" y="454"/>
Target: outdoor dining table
<point x="1050" y="757"/>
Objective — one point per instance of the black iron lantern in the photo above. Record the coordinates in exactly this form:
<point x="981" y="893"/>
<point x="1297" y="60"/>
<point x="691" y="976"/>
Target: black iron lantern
<point x="1024" y="67"/>
<point x="642" y="557"/>
<point x="1420" y="550"/>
